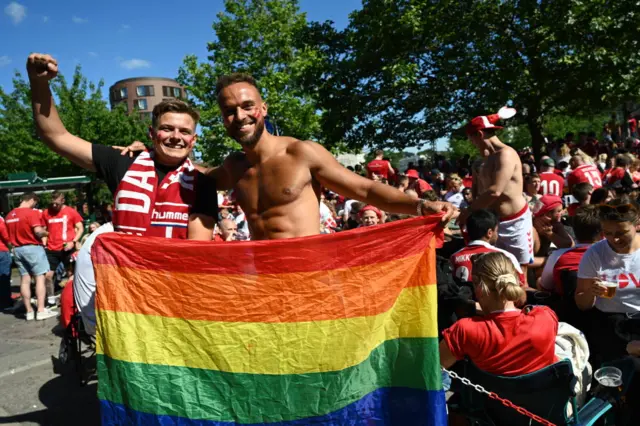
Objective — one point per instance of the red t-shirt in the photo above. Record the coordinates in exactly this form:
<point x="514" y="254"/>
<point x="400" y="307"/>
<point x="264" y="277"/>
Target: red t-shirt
<point x="20" y="224"/>
<point x="422" y="186"/>
<point x="378" y="167"/>
<point x="467" y="182"/>
<point x="633" y="125"/>
<point x="568" y="261"/>
<point x="4" y="236"/>
<point x="509" y="343"/>
<point x="585" y="173"/>
<point x="61" y="226"/>
<point x="615" y="175"/>
<point x="462" y="266"/>
<point x="551" y="183"/>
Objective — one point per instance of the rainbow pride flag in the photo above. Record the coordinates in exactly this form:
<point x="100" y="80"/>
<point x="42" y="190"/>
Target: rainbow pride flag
<point x="329" y="330"/>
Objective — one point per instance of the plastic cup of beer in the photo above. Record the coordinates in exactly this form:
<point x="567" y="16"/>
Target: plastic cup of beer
<point x="609" y="377"/>
<point x="610" y="289"/>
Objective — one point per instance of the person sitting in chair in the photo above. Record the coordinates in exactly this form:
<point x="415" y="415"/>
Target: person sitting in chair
<point x="507" y="341"/>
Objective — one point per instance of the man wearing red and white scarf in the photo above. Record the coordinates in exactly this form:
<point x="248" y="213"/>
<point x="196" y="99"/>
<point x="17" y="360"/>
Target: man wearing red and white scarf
<point x="159" y="193"/>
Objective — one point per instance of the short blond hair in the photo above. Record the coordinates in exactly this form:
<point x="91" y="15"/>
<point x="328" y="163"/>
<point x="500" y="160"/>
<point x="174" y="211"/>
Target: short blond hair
<point x="494" y="273"/>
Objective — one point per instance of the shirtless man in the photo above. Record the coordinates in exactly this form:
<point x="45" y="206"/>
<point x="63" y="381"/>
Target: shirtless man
<point x="497" y="185"/>
<point x="277" y="180"/>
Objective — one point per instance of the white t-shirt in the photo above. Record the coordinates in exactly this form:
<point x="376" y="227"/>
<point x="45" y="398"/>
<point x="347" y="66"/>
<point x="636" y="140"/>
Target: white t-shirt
<point x="455" y="198"/>
<point x="601" y="262"/>
<point x="84" y="280"/>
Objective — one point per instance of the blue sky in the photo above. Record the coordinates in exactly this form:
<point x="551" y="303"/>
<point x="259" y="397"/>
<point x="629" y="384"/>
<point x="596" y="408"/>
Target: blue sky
<point x="118" y="39"/>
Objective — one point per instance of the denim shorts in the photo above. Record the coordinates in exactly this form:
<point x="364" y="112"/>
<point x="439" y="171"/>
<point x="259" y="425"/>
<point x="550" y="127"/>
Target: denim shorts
<point x="31" y="260"/>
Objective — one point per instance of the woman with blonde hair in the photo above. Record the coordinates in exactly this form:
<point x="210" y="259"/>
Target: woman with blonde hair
<point x="506" y="341"/>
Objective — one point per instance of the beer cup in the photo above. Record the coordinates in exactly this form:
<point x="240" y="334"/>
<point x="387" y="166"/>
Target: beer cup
<point x="610" y="289"/>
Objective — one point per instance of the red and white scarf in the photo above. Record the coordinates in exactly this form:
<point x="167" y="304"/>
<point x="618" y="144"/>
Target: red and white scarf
<point x="143" y="207"/>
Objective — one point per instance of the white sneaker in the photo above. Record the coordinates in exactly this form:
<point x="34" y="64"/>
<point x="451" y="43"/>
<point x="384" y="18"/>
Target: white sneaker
<point x="52" y="300"/>
<point x="30" y="315"/>
<point x="47" y="313"/>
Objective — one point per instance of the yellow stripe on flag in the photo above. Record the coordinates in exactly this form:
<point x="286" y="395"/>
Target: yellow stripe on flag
<point x="266" y="348"/>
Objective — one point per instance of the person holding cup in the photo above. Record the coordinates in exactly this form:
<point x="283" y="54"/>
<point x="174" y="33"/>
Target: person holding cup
<point x="609" y="272"/>
<point x="609" y="287"/>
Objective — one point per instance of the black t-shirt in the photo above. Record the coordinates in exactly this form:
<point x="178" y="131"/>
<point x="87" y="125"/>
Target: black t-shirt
<point x="111" y="167"/>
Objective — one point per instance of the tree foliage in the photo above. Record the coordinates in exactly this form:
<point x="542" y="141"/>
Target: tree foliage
<point x="259" y="37"/>
<point x="84" y="113"/>
<point x="409" y="71"/>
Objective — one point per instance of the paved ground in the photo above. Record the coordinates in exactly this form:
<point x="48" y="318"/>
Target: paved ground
<point x="30" y="392"/>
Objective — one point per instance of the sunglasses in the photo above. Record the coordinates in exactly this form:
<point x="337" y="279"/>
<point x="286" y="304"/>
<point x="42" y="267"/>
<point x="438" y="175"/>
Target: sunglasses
<point x="606" y="209"/>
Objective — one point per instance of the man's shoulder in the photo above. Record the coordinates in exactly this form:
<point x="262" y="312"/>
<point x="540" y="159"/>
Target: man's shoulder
<point x="297" y="146"/>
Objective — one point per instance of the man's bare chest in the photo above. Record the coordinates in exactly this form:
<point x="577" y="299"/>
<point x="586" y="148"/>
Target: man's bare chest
<point x="271" y="184"/>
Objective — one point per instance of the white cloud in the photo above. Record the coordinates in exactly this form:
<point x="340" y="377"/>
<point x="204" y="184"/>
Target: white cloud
<point x="93" y="54"/>
<point x="16" y="12"/>
<point x="132" y="64"/>
<point x="77" y="20"/>
<point x="45" y="19"/>
<point x="4" y="61"/>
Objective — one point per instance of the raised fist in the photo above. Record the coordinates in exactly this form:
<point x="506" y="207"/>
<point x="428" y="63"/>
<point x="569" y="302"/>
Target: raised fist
<point x="41" y="67"/>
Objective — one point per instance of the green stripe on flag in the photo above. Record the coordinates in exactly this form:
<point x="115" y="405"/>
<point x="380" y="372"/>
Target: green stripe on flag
<point x="254" y="398"/>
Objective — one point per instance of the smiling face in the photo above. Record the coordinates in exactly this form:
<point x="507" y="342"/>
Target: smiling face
<point x="243" y="113"/>
<point x="173" y="137"/>
<point x="619" y="235"/>
<point x="370" y="218"/>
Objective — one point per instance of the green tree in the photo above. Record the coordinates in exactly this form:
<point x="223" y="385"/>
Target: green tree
<point x="409" y="71"/>
<point x="84" y="113"/>
<point x="259" y="37"/>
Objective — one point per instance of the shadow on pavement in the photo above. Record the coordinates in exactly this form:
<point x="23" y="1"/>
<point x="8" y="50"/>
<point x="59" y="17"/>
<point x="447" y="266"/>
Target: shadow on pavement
<point x="66" y="402"/>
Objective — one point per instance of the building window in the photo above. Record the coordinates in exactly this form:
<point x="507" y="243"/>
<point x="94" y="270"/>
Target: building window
<point x="146" y="116"/>
<point x="123" y="93"/>
<point x="140" y="104"/>
<point x="145" y="91"/>
<point x="175" y="92"/>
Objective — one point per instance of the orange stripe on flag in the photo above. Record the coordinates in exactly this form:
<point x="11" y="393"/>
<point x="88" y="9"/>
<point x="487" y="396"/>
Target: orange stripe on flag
<point x="299" y="296"/>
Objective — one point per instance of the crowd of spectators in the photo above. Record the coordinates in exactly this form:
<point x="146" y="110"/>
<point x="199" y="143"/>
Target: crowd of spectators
<point x="583" y="194"/>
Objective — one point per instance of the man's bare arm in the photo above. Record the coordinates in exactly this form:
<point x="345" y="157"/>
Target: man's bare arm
<point x="501" y="177"/>
<point x="40" y="231"/>
<point x="41" y="69"/>
<point x="79" y="230"/>
<point x="326" y="170"/>
<point x="200" y="227"/>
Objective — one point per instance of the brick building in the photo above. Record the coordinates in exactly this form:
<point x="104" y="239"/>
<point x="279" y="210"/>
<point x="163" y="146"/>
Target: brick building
<point x="141" y="94"/>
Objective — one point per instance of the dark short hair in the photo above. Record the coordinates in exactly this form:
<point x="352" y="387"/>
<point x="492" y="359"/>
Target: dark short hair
<point x="622" y="160"/>
<point x="173" y="105"/>
<point x="236" y="77"/>
<point x="56" y="194"/>
<point x="531" y="176"/>
<point x="586" y="224"/>
<point x="581" y="191"/>
<point x="28" y="196"/>
<point x="599" y="195"/>
<point x="480" y="222"/>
